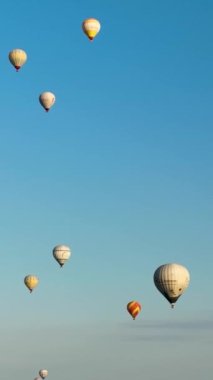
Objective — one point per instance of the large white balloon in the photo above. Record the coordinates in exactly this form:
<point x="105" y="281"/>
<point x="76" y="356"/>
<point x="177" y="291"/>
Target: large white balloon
<point x="61" y="253"/>
<point x="171" y="280"/>
<point x="47" y="99"/>
<point x="43" y="373"/>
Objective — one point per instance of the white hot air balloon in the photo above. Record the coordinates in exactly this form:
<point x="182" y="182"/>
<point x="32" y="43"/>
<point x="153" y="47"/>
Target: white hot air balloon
<point x="171" y="280"/>
<point x="61" y="253"/>
<point x="18" y="58"/>
<point x="47" y="99"/>
<point x="43" y="373"/>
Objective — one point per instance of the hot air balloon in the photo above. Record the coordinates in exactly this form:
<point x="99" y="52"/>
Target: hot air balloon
<point x="91" y="27"/>
<point x="134" y="308"/>
<point x="61" y="253"/>
<point x="18" y="58"/>
<point x="47" y="99"/>
<point x="31" y="282"/>
<point x="43" y="373"/>
<point x="171" y="280"/>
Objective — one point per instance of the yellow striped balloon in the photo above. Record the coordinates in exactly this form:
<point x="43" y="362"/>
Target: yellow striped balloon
<point x="31" y="282"/>
<point x="18" y="58"/>
<point x="134" y="308"/>
<point x="91" y="27"/>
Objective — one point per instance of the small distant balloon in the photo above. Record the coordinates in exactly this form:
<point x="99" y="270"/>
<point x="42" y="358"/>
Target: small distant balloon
<point x="171" y="280"/>
<point x="134" y="308"/>
<point x="61" y="253"/>
<point x="43" y="373"/>
<point x="47" y="99"/>
<point x="31" y="282"/>
<point x="91" y="27"/>
<point x="18" y="58"/>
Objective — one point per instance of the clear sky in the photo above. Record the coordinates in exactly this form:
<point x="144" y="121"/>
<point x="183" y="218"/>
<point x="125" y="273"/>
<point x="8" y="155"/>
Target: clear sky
<point x="120" y="170"/>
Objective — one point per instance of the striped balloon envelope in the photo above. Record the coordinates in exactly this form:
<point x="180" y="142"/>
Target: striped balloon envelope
<point x="91" y="27"/>
<point x="133" y="308"/>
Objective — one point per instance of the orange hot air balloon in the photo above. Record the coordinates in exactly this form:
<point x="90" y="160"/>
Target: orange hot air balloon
<point x="133" y="308"/>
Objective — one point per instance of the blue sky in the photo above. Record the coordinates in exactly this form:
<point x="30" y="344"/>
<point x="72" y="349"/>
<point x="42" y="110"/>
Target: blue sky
<point x="120" y="169"/>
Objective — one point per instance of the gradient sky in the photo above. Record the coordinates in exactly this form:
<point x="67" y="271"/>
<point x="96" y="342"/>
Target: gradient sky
<point x="120" y="170"/>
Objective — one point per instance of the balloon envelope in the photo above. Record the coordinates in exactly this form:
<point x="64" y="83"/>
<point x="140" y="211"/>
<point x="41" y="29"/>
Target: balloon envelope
<point x="171" y="280"/>
<point x="61" y="253"/>
<point x="31" y="282"/>
<point x="134" y="308"/>
<point x="47" y="99"/>
<point x="91" y="27"/>
<point x="18" y="58"/>
<point x="43" y="373"/>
